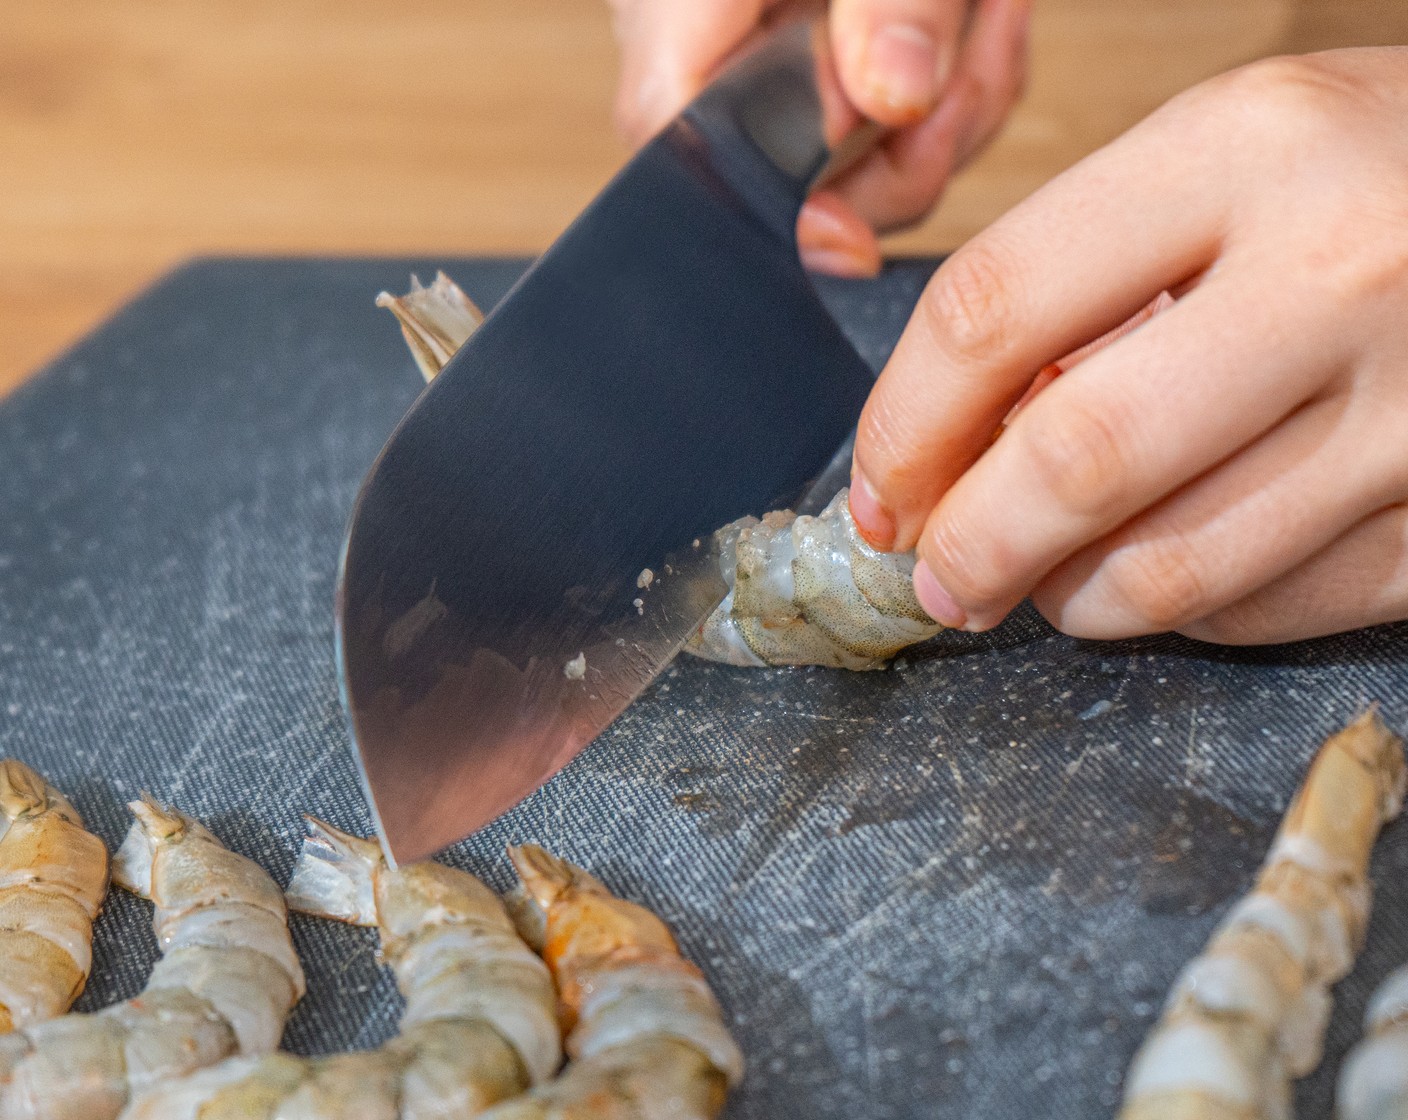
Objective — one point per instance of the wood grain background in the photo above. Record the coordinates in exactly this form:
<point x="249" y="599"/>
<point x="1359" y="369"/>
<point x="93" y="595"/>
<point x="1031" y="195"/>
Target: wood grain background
<point x="135" y="133"/>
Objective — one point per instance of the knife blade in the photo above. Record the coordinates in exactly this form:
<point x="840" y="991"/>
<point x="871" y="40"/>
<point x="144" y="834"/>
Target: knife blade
<point x="533" y="544"/>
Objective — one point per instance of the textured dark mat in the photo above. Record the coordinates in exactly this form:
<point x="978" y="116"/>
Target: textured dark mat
<point x="960" y="887"/>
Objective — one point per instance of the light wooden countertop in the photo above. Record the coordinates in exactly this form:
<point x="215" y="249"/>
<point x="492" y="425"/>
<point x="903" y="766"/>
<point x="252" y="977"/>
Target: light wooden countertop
<point x="135" y="133"/>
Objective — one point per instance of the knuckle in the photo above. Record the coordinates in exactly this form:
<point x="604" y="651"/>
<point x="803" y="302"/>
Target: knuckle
<point x="1162" y="583"/>
<point x="971" y="305"/>
<point x="1288" y="99"/>
<point x="1080" y="454"/>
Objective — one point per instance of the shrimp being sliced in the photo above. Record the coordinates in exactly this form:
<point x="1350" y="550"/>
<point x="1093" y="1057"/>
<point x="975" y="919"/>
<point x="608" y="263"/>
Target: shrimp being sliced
<point x="480" y="1021"/>
<point x="803" y="590"/>
<point x="1373" y="1082"/>
<point x="224" y="985"/>
<point x="1249" y="1015"/>
<point x="53" y="876"/>
<point x="648" y="1041"/>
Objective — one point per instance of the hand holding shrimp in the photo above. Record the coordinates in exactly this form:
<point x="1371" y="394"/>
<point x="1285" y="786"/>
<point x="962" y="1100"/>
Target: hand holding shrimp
<point x="1234" y="469"/>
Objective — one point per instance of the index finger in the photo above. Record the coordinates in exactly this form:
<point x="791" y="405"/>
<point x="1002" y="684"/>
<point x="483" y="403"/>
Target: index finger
<point x="1075" y="259"/>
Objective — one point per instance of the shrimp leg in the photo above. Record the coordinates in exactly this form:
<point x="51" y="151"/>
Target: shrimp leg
<point x="647" y="1038"/>
<point x="53" y="876"/>
<point x="479" y="1024"/>
<point x="1249" y="1015"/>
<point x="224" y="985"/>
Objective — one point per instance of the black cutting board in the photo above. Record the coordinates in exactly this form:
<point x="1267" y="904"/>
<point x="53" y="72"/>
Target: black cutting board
<point x="959" y="887"/>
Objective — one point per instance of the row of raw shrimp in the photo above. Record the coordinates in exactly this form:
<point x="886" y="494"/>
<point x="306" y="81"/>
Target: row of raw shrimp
<point x="489" y="989"/>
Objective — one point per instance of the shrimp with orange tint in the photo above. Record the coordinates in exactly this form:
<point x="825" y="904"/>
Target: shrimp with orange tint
<point x="53" y="876"/>
<point x="479" y="1024"/>
<point x="647" y="1037"/>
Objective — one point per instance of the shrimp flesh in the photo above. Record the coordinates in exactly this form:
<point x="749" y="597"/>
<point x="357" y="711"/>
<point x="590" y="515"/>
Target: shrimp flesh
<point x="1373" y="1083"/>
<point x="810" y="591"/>
<point x="480" y="1020"/>
<point x="53" y="876"/>
<point x="802" y="590"/>
<point x="435" y="320"/>
<point x="1249" y="1015"/>
<point x="224" y="985"/>
<point x="647" y="1037"/>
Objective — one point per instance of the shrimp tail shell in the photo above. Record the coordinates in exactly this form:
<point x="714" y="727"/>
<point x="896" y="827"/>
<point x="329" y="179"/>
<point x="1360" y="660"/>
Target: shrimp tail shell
<point x="335" y="876"/>
<point x="132" y="866"/>
<point x="435" y="320"/>
<point x="23" y="792"/>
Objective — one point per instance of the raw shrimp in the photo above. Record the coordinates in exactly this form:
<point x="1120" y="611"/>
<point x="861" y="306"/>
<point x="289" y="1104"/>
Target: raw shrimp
<point x="1249" y="1014"/>
<point x="1373" y="1082"/>
<point x="53" y="876"/>
<point x="435" y="320"/>
<point x="648" y="1041"/>
<point x="802" y="590"/>
<point x="479" y="1024"/>
<point x="224" y="985"/>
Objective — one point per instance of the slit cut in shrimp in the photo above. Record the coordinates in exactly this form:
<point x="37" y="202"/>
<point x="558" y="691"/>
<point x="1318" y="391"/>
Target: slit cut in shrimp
<point x="53" y="877"/>
<point x="224" y="985"/>
<point x="647" y="1038"/>
<point x="479" y="1024"/>
<point x="1249" y="1015"/>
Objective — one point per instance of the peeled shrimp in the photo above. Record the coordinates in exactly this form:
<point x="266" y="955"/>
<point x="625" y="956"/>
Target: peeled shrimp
<point x="647" y="1037"/>
<point x="224" y="985"/>
<point x="1249" y="1014"/>
<point x="53" y="876"/>
<point x="1373" y="1082"/>
<point x="802" y="590"/>
<point x="479" y="1024"/>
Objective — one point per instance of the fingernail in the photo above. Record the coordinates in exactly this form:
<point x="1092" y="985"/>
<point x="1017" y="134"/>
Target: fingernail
<point x="937" y="602"/>
<point x="875" y="522"/>
<point x="833" y="239"/>
<point x="906" y="67"/>
<point x="839" y="262"/>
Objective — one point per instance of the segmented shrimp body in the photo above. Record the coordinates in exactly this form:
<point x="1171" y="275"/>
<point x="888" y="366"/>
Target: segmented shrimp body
<point x="810" y="591"/>
<point x="802" y="590"/>
<point x="224" y="985"/>
<point x="1249" y="1014"/>
<point x="647" y="1037"/>
<point x="480" y="1021"/>
<point x="53" y="876"/>
<point x="1373" y="1083"/>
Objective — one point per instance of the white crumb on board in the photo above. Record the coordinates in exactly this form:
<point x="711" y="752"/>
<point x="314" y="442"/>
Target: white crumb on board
<point x="645" y="579"/>
<point x="576" y="669"/>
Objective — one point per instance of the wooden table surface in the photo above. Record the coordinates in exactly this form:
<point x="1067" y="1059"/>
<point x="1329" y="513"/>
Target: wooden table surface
<point x="136" y="133"/>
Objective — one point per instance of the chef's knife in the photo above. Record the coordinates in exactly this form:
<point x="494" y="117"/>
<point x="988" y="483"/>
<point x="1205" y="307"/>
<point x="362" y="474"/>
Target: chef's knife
<point x="533" y="544"/>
